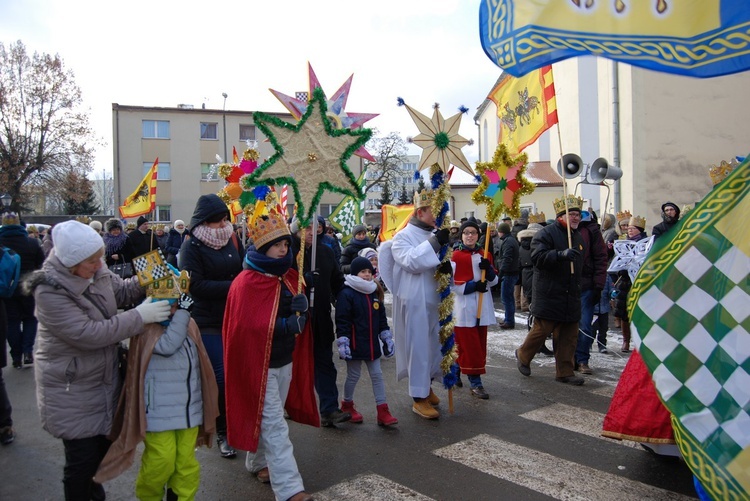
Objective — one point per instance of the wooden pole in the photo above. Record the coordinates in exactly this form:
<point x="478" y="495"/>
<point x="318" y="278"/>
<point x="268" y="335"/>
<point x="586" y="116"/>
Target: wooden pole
<point x="484" y="272"/>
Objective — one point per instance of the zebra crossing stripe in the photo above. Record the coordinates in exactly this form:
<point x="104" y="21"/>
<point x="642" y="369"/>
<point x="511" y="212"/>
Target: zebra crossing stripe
<point x="370" y="487"/>
<point x="547" y="474"/>
<point x="574" y="419"/>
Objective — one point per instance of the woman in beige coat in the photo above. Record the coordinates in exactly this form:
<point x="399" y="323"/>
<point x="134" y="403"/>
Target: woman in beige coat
<point x="76" y="363"/>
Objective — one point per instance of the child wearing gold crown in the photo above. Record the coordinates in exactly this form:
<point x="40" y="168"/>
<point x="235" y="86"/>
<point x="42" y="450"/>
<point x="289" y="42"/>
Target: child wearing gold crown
<point x="268" y="359"/>
<point x="170" y="387"/>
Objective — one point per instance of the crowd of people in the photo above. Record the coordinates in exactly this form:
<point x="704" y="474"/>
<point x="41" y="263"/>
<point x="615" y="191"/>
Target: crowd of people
<point x="251" y="364"/>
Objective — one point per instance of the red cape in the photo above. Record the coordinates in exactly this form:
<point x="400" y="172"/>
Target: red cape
<point x="636" y="413"/>
<point x="464" y="267"/>
<point x="249" y="320"/>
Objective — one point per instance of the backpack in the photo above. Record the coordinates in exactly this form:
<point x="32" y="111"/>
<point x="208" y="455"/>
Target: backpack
<point x="10" y="270"/>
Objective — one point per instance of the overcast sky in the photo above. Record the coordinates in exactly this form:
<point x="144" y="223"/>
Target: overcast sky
<point x="164" y="52"/>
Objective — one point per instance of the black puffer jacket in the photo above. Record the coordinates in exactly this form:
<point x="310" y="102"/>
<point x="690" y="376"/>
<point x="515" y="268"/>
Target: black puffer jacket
<point x="15" y="237"/>
<point x="211" y="270"/>
<point x="556" y="292"/>
<point x="352" y="250"/>
<point x="509" y="261"/>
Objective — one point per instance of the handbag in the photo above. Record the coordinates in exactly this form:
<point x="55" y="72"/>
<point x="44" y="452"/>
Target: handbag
<point x="124" y="270"/>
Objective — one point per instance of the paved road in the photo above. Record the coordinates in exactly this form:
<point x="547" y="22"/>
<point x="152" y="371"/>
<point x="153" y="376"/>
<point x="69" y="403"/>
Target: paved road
<point x="533" y="439"/>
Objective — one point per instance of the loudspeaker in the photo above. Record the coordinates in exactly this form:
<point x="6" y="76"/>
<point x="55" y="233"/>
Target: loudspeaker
<point x="601" y="170"/>
<point x="573" y="166"/>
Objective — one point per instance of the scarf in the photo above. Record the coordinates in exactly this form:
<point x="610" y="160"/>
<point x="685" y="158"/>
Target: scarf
<point x="114" y="244"/>
<point x="216" y="238"/>
<point x="359" y="284"/>
<point x="638" y="237"/>
<point x="270" y="266"/>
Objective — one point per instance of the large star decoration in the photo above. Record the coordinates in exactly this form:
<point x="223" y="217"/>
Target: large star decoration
<point x="502" y="184"/>
<point x="630" y="255"/>
<point x="439" y="139"/>
<point x="310" y="156"/>
<point x="337" y="114"/>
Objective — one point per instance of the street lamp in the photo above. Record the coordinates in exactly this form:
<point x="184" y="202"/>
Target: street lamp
<point x="224" y="122"/>
<point x="6" y="200"/>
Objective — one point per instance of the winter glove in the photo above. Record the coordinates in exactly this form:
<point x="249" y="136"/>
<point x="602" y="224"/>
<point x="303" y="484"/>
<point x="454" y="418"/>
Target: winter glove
<point x="445" y="268"/>
<point x="185" y="302"/>
<point x="481" y="287"/>
<point x="484" y="264"/>
<point x="596" y="296"/>
<point x="295" y="323"/>
<point x="299" y="303"/>
<point x="388" y="347"/>
<point x="342" y="344"/>
<point x="311" y="278"/>
<point x="443" y="236"/>
<point x="568" y="254"/>
<point x="153" y="311"/>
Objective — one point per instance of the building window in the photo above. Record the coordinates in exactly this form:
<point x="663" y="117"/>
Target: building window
<point x="247" y="132"/>
<point x="209" y="130"/>
<point x="164" y="170"/>
<point x="209" y="173"/>
<point x="163" y="212"/>
<point x="155" y="129"/>
<point x="326" y="209"/>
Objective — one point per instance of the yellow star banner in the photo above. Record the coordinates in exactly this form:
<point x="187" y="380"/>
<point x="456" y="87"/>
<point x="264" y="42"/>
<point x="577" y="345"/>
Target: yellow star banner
<point x="310" y="156"/>
<point x="393" y="219"/>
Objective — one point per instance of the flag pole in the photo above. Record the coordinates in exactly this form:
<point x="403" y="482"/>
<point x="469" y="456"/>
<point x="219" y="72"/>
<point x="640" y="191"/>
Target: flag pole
<point x="565" y="190"/>
<point x="484" y="272"/>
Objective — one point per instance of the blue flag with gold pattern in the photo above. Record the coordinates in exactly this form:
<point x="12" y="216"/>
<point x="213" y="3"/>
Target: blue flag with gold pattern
<point x="691" y="324"/>
<point x="698" y="38"/>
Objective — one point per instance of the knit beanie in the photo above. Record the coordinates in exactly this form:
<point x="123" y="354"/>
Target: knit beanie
<point x="75" y="242"/>
<point x="96" y="225"/>
<point x="179" y="222"/>
<point x="503" y="228"/>
<point x="141" y="220"/>
<point x="468" y="224"/>
<point x="359" y="264"/>
<point x="359" y="228"/>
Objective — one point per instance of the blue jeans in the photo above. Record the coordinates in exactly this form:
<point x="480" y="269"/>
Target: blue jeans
<point x="475" y="381"/>
<point x="506" y="295"/>
<point x="211" y="338"/>
<point x="325" y="369"/>
<point x="585" y="340"/>
<point x="22" y="326"/>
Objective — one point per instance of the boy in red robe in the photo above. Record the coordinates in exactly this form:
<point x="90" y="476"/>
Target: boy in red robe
<point x="267" y="358"/>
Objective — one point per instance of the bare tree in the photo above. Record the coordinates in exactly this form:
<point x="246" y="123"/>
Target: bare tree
<point x="43" y="127"/>
<point x="389" y="152"/>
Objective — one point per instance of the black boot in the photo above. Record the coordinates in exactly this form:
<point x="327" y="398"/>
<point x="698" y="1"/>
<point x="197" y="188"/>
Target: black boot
<point x="226" y="450"/>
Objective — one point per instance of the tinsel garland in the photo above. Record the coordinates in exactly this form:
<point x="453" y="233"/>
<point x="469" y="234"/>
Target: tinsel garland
<point x="441" y="194"/>
<point x="305" y="214"/>
<point x="502" y="162"/>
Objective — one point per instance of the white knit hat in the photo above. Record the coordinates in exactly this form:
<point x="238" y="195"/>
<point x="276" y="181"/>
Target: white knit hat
<point x="75" y="242"/>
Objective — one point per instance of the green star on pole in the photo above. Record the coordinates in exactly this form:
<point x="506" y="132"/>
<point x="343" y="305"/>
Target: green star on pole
<point x="310" y="156"/>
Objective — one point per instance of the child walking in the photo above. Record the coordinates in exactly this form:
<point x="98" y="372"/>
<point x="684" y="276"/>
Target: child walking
<point x="360" y="324"/>
<point x="268" y="359"/>
<point x="600" y="324"/>
<point x="170" y="387"/>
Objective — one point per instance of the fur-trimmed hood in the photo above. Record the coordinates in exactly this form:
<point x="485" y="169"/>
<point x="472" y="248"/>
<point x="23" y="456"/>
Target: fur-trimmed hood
<point x="529" y="232"/>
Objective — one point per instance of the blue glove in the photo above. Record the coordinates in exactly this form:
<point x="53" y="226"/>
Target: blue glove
<point x="342" y="344"/>
<point x="388" y="346"/>
<point x="295" y="323"/>
<point x="299" y="303"/>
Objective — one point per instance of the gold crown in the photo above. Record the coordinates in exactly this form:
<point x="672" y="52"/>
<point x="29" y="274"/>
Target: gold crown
<point x="268" y="228"/>
<point x="573" y="203"/>
<point x="685" y="209"/>
<point x="170" y="287"/>
<point x="10" y="218"/>
<point x="422" y="198"/>
<point x="130" y="226"/>
<point x="722" y="171"/>
<point x="158" y="227"/>
<point x="83" y="219"/>
<point x="624" y="216"/>
<point x="537" y="218"/>
<point x="637" y="221"/>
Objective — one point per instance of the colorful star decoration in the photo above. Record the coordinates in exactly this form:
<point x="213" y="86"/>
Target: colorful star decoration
<point x="502" y="184"/>
<point x="310" y="156"/>
<point x="337" y="114"/>
<point x="439" y="139"/>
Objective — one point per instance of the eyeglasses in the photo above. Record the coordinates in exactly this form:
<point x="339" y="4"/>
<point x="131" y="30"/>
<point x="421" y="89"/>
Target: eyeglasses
<point x="470" y="233"/>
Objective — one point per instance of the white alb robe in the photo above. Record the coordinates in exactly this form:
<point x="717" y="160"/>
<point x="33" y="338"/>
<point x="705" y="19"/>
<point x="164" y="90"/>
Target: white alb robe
<point x="407" y="264"/>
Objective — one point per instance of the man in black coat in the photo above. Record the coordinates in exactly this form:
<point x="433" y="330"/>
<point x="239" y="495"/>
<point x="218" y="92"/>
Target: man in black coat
<point x="670" y="214"/>
<point x="556" y="292"/>
<point x="19" y="307"/>
<point x="328" y="281"/>
<point x="508" y="269"/>
<point x="141" y="238"/>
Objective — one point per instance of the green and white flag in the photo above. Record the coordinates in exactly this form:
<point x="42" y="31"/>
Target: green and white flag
<point x="348" y="213"/>
<point x="690" y="311"/>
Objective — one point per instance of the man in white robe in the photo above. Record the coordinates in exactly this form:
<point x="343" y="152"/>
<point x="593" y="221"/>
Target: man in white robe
<point x="407" y="265"/>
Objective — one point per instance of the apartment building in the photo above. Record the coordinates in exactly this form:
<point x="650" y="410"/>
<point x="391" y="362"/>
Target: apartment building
<point x="186" y="140"/>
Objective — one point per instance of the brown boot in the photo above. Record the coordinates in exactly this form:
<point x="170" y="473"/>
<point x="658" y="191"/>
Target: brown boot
<point x="423" y="408"/>
<point x="433" y="399"/>
<point x="625" y="337"/>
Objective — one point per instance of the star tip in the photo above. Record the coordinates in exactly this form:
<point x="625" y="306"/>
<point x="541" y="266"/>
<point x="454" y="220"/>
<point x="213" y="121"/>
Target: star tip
<point x="409" y="139"/>
<point x="470" y="142"/>
<point x="436" y="106"/>
<point x="400" y="101"/>
<point x="463" y="109"/>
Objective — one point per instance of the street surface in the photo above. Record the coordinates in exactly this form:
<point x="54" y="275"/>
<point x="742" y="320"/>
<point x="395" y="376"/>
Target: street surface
<point x="533" y="439"/>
